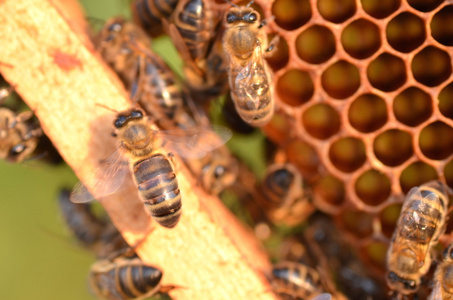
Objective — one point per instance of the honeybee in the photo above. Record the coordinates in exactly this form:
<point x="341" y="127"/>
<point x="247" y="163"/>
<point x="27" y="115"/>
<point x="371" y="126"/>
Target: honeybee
<point x="153" y="170"/>
<point x="244" y="43"/>
<point x="149" y="14"/>
<point x="91" y="231"/>
<point x="18" y="138"/>
<point x="282" y="195"/>
<point x="443" y="288"/>
<point x="124" y="278"/>
<point x="293" y="280"/>
<point x="419" y="226"/>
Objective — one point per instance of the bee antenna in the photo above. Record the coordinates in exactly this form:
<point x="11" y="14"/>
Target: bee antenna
<point x="250" y="3"/>
<point x="232" y="4"/>
<point x="106" y="107"/>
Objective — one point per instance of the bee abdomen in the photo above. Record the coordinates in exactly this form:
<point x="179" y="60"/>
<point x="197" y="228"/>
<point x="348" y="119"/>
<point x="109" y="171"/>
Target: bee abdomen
<point x="149" y="13"/>
<point x="296" y="280"/>
<point x="276" y="186"/>
<point x="158" y="188"/>
<point x="136" y="281"/>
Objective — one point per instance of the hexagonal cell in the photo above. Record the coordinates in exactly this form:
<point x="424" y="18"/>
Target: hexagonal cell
<point x="442" y="26"/>
<point x="329" y="190"/>
<point x="347" y="154"/>
<point x="448" y="173"/>
<point x="424" y="5"/>
<point x="279" y="56"/>
<point x="279" y="128"/>
<point x="321" y="121"/>
<point x="388" y="218"/>
<point x="412" y="106"/>
<point x="367" y="113"/>
<point x="416" y="174"/>
<point x="373" y="187"/>
<point x="358" y="223"/>
<point x="303" y="156"/>
<point x="405" y="32"/>
<point x="380" y="9"/>
<point x="361" y="38"/>
<point x="336" y="11"/>
<point x="375" y="253"/>
<point x="315" y="44"/>
<point x="431" y="66"/>
<point x="291" y="14"/>
<point x="393" y="147"/>
<point x="341" y="79"/>
<point x="445" y="103"/>
<point x="295" y="87"/>
<point x="387" y="72"/>
<point x="436" y="140"/>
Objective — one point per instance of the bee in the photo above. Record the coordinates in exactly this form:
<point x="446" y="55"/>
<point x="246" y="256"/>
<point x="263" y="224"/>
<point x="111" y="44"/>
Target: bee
<point x="419" y="226"/>
<point x="124" y="278"/>
<point x="153" y="170"/>
<point x="244" y="43"/>
<point x="18" y="138"/>
<point x="149" y="14"/>
<point x="282" y="195"/>
<point x="293" y="280"/>
<point x="443" y="288"/>
<point x="91" y="231"/>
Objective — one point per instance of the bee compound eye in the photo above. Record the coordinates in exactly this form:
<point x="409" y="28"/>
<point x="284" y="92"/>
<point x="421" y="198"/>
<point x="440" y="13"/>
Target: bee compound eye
<point x="252" y="17"/>
<point x="18" y="149"/>
<point x="410" y="285"/>
<point x="230" y="18"/>
<point x="115" y="27"/>
<point x="119" y="122"/>
<point x="136" y="114"/>
<point x="219" y="171"/>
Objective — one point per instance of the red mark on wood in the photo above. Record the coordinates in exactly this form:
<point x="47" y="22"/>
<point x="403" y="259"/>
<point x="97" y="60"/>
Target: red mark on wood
<point x="66" y="61"/>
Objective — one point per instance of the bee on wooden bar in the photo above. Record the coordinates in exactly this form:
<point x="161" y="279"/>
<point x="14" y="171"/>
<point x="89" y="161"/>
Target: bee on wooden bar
<point x="293" y="280"/>
<point x="419" y="226"/>
<point x="124" y="278"/>
<point x="153" y="170"/>
<point x="91" y="231"/>
<point x="18" y="137"/>
<point x="149" y="14"/>
<point x="443" y="284"/>
<point x="245" y="43"/>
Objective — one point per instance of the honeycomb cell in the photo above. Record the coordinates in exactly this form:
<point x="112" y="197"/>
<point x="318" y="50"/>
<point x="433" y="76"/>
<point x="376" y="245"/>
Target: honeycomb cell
<point x="367" y="113"/>
<point x="416" y="174"/>
<point x="375" y="253"/>
<point x="303" y="156"/>
<point x="280" y="55"/>
<point x="448" y="173"/>
<point x="436" y="140"/>
<point x="279" y="128"/>
<point x="393" y="147"/>
<point x="330" y="190"/>
<point x="406" y="32"/>
<point x="442" y="26"/>
<point x="316" y="44"/>
<point x="341" y="80"/>
<point x="336" y="11"/>
<point x="424" y="5"/>
<point x="380" y="9"/>
<point x="413" y="106"/>
<point x="291" y="14"/>
<point x="347" y="154"/>
<point x="387" y="72"/>
<point x="445" y="101"/>
<point x="373" y="187"/>
<point x="431" y="66"/>
<point x="295" y="87"/>
<point x="321" y="121"/>
<point x="388" y="218"/>
<point x="361" y="38"/>
<point x="358" y="223"/>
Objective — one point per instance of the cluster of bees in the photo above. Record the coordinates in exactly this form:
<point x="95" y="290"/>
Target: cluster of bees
<point x="218" y="56"/>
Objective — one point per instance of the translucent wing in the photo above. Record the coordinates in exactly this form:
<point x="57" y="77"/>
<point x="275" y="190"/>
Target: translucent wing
<point x="104" y="181"/>
<point x="325" y="296"/>
<point x="195" y="142"/>
<point x="436" y="294"/>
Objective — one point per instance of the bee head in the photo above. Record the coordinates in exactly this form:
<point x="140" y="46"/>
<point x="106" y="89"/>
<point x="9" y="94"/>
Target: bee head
<point x="112" y="28"/>
<point x="245" y="15"/>
<point x="404" y="286"/>
<point x="124" y="118"/>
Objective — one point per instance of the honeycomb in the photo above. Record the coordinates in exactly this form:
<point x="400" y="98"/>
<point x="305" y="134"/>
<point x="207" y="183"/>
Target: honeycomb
<point x="364" y="96"/>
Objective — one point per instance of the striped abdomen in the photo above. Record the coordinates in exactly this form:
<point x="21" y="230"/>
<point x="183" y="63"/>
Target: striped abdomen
<point x="276" y="186"/>
<point x="194" y="21"/>
<point x="158" y="188"/>
<point x="295" y="280"/>
<point x="124" y="279"/>
<point x="149" y="13"/>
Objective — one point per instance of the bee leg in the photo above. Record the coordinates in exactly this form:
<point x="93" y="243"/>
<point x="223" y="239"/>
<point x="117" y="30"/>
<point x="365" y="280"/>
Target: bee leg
<point x="22" y="117"/>
<point x="33" y="133"/>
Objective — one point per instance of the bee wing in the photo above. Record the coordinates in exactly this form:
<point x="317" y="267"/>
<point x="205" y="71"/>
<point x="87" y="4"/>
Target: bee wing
<point x="325" y="296"/>
<point x="436" y="294"/>
<point x="195" y="142"/>
<point x="105" y="180"/>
